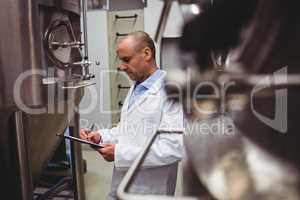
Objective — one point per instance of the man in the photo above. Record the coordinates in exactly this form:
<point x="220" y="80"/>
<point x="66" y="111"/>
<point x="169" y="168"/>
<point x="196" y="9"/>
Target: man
<point x="145" y="110"/>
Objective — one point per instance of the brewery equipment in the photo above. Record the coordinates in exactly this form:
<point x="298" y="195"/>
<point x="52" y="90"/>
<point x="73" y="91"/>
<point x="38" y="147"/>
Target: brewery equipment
<point x="43" y="68"/>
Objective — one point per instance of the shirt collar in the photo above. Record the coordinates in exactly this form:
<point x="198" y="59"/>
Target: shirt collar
<point x="151" y="79"/>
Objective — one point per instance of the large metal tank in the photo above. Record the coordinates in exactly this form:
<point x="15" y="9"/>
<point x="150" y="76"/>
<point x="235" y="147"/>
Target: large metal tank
<point x="249" y="149"/>
<point x="34" y="107"/>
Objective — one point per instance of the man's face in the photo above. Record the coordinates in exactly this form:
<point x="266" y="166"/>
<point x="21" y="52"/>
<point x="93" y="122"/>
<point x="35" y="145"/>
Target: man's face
<point x="132" y="61"/>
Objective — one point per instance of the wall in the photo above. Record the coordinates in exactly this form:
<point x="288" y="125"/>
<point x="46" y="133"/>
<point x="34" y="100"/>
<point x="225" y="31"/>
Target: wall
<point x="95" y="105"/>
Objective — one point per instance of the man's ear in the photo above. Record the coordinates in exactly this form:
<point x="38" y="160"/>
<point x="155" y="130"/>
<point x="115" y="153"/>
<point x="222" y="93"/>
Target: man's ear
<point x="148" y="53"/>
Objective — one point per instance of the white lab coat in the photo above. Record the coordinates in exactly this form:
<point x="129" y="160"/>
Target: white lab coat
<point x="150" y="112"/>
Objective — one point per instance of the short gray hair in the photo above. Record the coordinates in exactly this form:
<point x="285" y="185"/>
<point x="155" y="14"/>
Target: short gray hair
<point x="143" y="40"/>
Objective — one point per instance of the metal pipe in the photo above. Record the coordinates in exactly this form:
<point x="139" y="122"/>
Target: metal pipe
<point x="85" y="69"/>
<point x="77" y="164"/>
<point x="23" y="159"/>
<point x="84" y="25"/>
<point x="163" y="21"/>
<point x="82" y="85"/>
<point x="133" y="170"/>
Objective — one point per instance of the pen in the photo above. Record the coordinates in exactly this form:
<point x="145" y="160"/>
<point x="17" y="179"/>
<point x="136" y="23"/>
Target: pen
<point x="91" y="128"/>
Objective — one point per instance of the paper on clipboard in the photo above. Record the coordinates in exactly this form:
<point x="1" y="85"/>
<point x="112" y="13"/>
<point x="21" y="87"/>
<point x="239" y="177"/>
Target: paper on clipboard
<point x="94" y="145"/>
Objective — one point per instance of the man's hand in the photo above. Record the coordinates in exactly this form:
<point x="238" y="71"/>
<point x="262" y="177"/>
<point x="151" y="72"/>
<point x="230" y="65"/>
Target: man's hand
<point x="90" y="136"/>
<point x="108" y="152"/>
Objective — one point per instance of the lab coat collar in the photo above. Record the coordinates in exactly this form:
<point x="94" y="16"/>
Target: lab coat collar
<point x="151" y="91"/>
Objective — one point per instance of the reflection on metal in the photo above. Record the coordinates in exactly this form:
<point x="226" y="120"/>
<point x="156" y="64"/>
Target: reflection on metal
<point x="25" y="53"/>
<point x="84" y="25"/>
<point x="133" y="171"/>
<point x="62" y="26"/>
<point x="67" y="5"/>
<point x="163" y="20"/>
<point x="189" y="10"/>
<point x="74" y="44"/>
<point x="80" y="85"/>
<point x="117" y="5"/>
<point x="85" y="69"/>
<point x="23" y="158"/>
<point x="55" y="191"/>
<point x="51" y="45"/>
<point x="238" y="152"/>
<point x="240" y="82"/>
<point x="77" y="161"/>
<point x="43" y="127"/>
<point x="170" y="54"/>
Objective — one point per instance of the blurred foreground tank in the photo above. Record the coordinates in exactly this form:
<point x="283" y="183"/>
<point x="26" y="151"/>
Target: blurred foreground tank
<point x="242" y="136"/>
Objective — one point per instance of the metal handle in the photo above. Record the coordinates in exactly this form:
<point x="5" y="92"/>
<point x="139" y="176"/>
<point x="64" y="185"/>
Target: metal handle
<point x="126" y="17"/>
<point x="145" y="3"/>
<point x="73" y="44"/>
<point x="121" y="34"/>
<point x="123" y="87"/>
<point x="78" y="86"/>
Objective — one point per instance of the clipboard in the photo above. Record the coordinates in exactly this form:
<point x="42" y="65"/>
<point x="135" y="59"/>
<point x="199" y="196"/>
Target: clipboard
<point x="93" y="145"/>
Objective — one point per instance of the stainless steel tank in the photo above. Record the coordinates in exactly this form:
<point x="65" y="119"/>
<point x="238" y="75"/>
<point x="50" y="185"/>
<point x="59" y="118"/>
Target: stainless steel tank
<point x="38" y="95"/>
<point x="249" y="148"/>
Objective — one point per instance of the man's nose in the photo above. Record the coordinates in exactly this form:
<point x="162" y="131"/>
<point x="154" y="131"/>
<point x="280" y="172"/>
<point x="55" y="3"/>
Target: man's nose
<point x="122" y="67"/>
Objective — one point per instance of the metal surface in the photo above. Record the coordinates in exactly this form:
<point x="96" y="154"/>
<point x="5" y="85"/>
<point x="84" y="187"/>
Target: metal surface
<point x="62" y="26"/>
<point x="51" y="46"/>
<point x="85" y="69"/>
<point x="236" y="154"/>
<point x="42" y="129"/>
<point x="77" y="161"/>
<point x="23" y="159"/>
<point x="240" y="82"/>
<point x="18" y="20"/>
<point x="69" y="5"/>
<point x="84" y="25"/>
<point x="77" y="86"/>
<point x="117" y="5"/>
<point x="170" y="54"/>
<point x="48" y="107"/>
<point x="163" y="21"/>
<point x="133" y="171"/>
